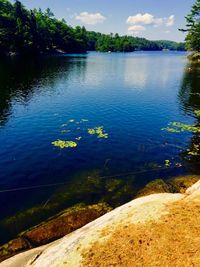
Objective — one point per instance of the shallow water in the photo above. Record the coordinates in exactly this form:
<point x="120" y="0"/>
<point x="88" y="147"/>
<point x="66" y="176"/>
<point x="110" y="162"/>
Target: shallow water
<point x="132" y="95"/>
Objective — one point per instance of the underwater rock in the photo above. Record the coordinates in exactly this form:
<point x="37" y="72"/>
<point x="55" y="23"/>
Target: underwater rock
<point x="64" y="223"/>
<point x="112" y="185"/>
<point x="54" y="228"/>
<point x="181" y="183"/>
<point x="86" y="187"/>
<point x="14" y="246"/>
<point x="178" y="184"/>
<point x="154" y="187"/>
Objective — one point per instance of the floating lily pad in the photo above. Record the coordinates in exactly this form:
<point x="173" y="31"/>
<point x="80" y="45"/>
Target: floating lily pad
<point x="99" y="131"/>
<point x="177" y="127"/>
<point x="64" y="144"/>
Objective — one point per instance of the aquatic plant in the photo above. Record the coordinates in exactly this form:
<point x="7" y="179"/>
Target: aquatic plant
<point x="177" y="127"/>
<point x="197" y="112"/>
<point x="195" y="151"/>
<point x="64" y="144"/>
<point x="170" y="130"/>
<point x="99" y="131"/>
<point x="167" y="163"/>
<point x="65" y="131"/>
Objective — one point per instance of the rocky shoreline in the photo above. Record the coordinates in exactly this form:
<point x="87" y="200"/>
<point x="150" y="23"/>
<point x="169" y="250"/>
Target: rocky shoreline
<point x="155" y="230"/>
<point x="75" y="217"/>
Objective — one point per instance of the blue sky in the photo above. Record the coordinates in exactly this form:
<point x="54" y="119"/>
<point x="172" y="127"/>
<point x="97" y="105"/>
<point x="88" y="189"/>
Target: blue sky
<point x="152" y="19"/>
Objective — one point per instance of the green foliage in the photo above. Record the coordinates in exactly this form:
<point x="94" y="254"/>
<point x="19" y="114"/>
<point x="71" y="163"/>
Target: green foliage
<point x="194" y="56"/>
<point x="36" y="31"/>
<point x="118" y="43"/>
<point x="193" y="28"/>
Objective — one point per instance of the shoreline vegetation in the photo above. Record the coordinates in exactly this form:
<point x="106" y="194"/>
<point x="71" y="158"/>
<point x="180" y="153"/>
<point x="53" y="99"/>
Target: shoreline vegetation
<point x="193" y="32"/>
<point x="194" y="57"/>
<point x="24" y="31"/>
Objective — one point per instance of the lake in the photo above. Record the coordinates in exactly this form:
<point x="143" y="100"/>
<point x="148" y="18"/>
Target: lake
<point x="132" y="96"/>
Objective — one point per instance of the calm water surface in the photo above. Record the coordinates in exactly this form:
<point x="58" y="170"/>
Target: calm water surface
<point x="131" y="95"/>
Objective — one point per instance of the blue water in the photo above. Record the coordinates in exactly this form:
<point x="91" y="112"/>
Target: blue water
<point x="132" y="95"/>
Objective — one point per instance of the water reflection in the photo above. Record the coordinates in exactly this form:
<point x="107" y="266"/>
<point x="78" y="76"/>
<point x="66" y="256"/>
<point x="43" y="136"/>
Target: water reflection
<point x="189" y="96"/>
<point x="21" y="79"/>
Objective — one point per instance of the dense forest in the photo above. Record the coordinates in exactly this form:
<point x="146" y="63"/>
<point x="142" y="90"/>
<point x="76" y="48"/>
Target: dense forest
<point x="25" y="31"/>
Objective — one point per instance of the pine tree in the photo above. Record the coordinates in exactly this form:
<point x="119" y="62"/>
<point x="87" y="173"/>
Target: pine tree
<point x="193" y="28"/>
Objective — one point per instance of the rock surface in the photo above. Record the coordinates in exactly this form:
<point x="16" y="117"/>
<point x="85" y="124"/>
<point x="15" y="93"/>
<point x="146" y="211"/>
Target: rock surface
<point x="56" y="227"/>
<point x="156" y="230"/>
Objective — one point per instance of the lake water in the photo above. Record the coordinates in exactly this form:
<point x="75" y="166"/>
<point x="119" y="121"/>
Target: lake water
<point x="132" y="95"/>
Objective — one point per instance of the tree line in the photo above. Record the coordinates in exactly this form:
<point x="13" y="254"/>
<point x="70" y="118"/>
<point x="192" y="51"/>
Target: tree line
<point x="25" y="31"/>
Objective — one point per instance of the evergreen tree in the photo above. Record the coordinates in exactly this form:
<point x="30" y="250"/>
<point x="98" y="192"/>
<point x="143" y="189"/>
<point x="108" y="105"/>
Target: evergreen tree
<point x="193" y="28"/>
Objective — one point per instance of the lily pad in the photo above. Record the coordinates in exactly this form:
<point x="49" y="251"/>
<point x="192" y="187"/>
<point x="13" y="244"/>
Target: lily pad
<point x="64" y="144"/>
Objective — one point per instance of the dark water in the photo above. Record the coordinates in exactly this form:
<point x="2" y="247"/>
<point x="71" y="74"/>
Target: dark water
<point x="131" y="95"/>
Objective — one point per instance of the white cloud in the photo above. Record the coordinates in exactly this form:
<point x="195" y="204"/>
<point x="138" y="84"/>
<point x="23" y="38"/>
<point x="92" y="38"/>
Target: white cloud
<point x="149" y="19"/>
<point x="136" y="29"/>
<point x="167" y="32"/>
<point x="170" y="21"/>
<point x="140" y="19"/>
<point x="158" y="22"/>
<point x="90" y="18"/>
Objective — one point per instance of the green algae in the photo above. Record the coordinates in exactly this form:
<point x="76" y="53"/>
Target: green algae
<point x="64" y="144"/>
<point x="98" y="131"/>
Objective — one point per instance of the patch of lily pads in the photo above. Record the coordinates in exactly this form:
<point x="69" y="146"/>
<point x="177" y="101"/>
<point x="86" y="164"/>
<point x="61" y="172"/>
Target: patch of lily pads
<point x="195" y="151"/>
<point x="64" y="144"/>
<point x="177" y="127"/>
<point x="98" y="131"/>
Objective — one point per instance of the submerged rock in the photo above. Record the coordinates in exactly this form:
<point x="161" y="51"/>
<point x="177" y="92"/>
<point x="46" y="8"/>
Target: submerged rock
<point x="182" y="183"/>
<point x="54" y="228"/>
<point x="177" y="184"/>
<point x="64" y="223"/>
<point x="154" y="187"/>
<point x="144" y="232"/>
<point x="14" y="246"/>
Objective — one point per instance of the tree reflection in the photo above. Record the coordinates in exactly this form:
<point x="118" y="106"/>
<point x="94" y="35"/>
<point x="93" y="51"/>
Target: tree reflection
<point x="20" y="79"/>
<point x="189" y="97"/>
